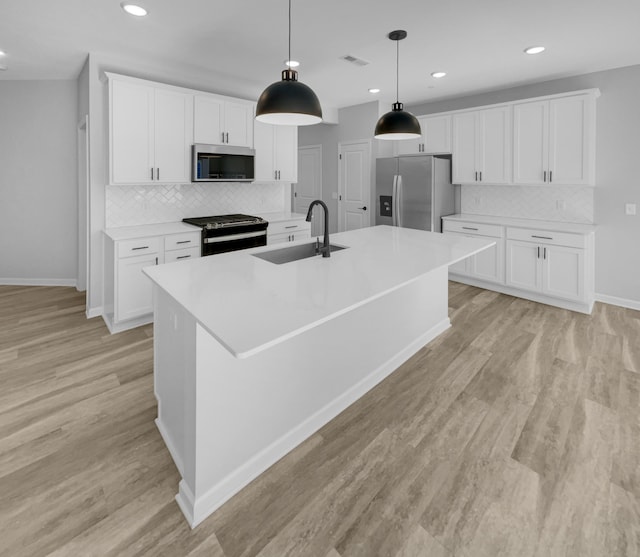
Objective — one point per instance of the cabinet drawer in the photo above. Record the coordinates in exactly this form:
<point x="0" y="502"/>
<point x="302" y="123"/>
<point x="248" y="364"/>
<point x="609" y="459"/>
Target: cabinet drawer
<point x="289" y="226"/>
<point x="547" y="237"/>
<point x="182" y="254"/>
<point x="140" y="246"/>
<point x="181" y="241"/>
<point x="492" y="230"/>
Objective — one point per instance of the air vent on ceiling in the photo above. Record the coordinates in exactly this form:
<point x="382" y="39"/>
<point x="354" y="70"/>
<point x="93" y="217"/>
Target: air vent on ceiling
<point x="354" y="60"/>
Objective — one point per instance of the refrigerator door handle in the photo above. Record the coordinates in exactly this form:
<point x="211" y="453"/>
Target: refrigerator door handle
<point x="399" y="200"/>
<point x="394" y="199"/>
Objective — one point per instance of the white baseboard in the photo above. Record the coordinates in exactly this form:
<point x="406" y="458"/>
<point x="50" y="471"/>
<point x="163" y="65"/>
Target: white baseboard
<point x="94" y="312"/>
<point x="196" y="510"/>
<point x="37" y="282"/>
<point x="615" y="301"/>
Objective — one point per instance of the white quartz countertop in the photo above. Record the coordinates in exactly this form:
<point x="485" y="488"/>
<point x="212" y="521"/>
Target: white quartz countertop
<point x="144" y="230"/>
<point x="552" y="226"/>
<point x="249" y="304"/>
<point x="280" y="217"/>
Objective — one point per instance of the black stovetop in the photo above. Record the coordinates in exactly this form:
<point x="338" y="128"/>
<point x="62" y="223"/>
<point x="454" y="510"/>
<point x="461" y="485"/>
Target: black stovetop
<point x="226" y="221"/>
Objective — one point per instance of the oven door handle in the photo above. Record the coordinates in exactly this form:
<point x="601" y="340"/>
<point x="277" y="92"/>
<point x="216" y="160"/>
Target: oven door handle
<point x="232" y="237"/>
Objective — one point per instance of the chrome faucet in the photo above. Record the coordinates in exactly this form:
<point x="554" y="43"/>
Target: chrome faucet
<point x="326" y="248"/>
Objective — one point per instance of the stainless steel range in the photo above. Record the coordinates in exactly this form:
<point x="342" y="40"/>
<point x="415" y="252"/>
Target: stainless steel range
<point x="222" y="233"/>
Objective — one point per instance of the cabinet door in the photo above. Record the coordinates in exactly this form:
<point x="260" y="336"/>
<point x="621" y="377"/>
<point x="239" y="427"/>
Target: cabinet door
<point x="238" y="124"/>
<point x="461" y="267"/>
<point x="489" y="263"/>
<point x="286" y="153"/>
<point x="563" y="272"/>
<point x="531" y="142"/>
<point x="172" y="136"/>
<point x="523" y="269"/>
<point x="569" y="140"/>
<point x="494" y="149"/>
<point x="263" y="137"/>
<point x="208" y="120"/>
<point x="134" y="291"/>
<point x="465" y="140"/>
<point x="409" y="146"/>
<point x="131" y="133"/>
<point x="436" y="134"/>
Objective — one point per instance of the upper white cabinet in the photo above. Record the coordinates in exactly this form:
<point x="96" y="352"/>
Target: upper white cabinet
<point x="482" y="146"/>
<point x="554" y="141"/>
<point x="150" y="132"/>
<point x="222" y="121"/>
<point x="435" y="138"/>
<point x="276" y="153"/>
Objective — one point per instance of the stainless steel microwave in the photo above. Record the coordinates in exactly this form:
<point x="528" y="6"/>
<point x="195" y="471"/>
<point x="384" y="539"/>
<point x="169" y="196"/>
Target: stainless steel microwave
<point x="222" y="163"/>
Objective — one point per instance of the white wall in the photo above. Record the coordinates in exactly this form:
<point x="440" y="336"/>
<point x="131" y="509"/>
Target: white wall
<point x="617" y="148"/>
<point x="38" y="182"/>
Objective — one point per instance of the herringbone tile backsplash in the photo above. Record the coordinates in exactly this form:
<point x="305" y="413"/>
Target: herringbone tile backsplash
<point x="131" y="205"/>
<point x="558" y="203"/>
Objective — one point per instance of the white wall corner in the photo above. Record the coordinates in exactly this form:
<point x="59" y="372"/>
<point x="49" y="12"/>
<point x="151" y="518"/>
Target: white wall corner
<point x="329" y="114"/>
<point x="615" y="301"/>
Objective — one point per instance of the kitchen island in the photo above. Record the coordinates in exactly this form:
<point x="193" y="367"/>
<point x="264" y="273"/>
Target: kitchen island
<point x="251" y="357"/>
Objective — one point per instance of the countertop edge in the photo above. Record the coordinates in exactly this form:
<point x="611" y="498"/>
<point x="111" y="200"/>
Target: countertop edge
<point x="514" y="222"/>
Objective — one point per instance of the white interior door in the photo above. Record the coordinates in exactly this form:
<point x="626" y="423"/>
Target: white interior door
<point x="309" y="186"/>
<point x="354" y="205"/>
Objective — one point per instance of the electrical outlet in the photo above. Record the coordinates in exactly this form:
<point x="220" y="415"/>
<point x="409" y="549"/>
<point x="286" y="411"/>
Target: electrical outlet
<point x="630" y="209"/>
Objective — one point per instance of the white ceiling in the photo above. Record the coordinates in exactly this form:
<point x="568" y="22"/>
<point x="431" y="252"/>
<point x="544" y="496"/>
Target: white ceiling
<point x="478" y="43"/>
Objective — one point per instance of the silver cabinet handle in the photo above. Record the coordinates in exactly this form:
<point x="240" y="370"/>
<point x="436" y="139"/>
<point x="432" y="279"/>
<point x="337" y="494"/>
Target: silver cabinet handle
<point x="544" y="176"/>
<point x="544" y="253"/>
<point x="156" y="260"/>
<point x="542" y="237"/>
<point x="141" y="247"/>
<point x="550" y="176"/>
<point x="481" y="175"/>
<point x="538" y="252"/>
<point x="222" y="137"/>
<point x="292" y="226"/>
<point x="476" y="176"/>
<point x="157" y="173"/>
<point x="227" y="136"/>
<point x="184" y="242"/>
<point x="183" y="257"/>
<point x="152" y="172"/>
<point x="468" y="228"/>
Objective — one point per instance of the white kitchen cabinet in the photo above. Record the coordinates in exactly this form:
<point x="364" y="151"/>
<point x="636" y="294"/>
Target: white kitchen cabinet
<point x="222" y="121"/>
<point x="288" y="231"/>
<point x="554" y="141"/>
<point x="435" y="138"/>
<point x="550" y="264"/>
<point x="276" y="153"/>
<point x="488" y="265"/>
<point x="150" y="131"/>
<point x="482" y="146"/>
<point x="128" y="291"/>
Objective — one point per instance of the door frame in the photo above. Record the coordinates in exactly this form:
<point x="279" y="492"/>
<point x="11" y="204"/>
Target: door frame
<point x="368" y="141"/>
<point x="317" y="147"/>
<point x="84" y="203"/>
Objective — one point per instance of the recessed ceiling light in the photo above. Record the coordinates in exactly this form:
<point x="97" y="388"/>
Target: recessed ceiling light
<point x="374" y="90"/>
<point x="534" y="50"/>
<point x="438" y="75"/>
<point x="134" y="9"/>
<point x="291" y="63"/>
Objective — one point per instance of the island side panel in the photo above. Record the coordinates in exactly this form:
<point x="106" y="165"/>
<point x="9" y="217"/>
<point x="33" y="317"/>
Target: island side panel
<point x="250" y="412"/>
<point x="174" y="379"/>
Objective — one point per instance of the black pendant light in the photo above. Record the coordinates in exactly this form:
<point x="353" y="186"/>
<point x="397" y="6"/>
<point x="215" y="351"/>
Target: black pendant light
<point x="397" y="124"/>
<point x="289" y="102"/>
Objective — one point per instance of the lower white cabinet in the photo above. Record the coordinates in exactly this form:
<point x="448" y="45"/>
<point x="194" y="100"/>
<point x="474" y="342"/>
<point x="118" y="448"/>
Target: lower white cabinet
<point x="557" y="271"/>
<point x="488" y="264"/>
<point x="535" y="263"/>
<point x="288" y="231"/>
<point x="128" y="291"/>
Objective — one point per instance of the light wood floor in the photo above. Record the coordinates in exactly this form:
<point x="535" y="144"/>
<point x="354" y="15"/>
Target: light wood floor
<point x="517" y="433"/>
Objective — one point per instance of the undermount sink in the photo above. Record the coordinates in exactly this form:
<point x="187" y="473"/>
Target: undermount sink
<point x="294" y="253"/>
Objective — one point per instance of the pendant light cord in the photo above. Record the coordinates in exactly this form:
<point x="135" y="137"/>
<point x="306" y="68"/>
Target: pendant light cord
<point x="397" y="71"/>
<point x="289" y="59"/>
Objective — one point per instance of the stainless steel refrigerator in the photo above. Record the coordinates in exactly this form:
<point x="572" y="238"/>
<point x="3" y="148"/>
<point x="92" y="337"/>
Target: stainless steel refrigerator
<point x="414" y="191"/>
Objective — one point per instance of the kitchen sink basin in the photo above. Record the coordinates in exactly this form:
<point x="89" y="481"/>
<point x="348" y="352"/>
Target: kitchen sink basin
<point x="294" y="253"/>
